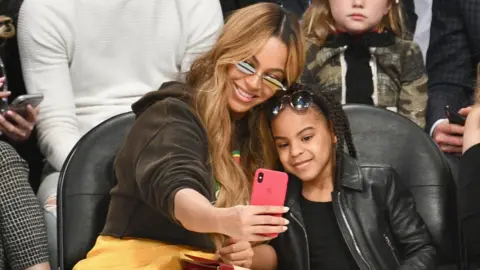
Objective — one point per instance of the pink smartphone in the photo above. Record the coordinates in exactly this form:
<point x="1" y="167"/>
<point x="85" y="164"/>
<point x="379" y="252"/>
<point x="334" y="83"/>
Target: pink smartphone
<point x="269" y="188"/>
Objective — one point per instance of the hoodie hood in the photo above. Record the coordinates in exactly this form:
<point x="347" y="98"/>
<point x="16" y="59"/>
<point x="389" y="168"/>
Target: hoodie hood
<point x="172" y="89"/>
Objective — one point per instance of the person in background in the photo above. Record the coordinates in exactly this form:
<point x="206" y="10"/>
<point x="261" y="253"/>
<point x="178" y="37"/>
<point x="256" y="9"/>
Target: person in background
<point x="93" y="59"/>
<point x="296" y="6"/>
<point x="28" y="148"/>
<point x="181" y="188"/>
<point x="423" y="12"/>
<point x="452" y="58"/>
<point x="357" y="50"/>
<point x="23" y="237"/>
<point x="334" y="200"/>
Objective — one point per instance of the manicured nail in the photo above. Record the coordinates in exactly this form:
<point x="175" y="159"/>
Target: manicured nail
<point x="284" y="228"/>
<point x="287" y="221"/>
<point x="286" y="209"/>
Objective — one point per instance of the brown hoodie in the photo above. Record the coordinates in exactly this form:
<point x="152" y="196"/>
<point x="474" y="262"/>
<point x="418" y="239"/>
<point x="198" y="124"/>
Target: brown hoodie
<point x="166" y="150"/>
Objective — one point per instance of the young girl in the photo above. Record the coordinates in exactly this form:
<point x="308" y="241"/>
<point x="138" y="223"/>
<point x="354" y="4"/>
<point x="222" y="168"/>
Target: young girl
<point x="357" y="52"/>
<point x="343" y="214"/>
<point x="180" y="190"/>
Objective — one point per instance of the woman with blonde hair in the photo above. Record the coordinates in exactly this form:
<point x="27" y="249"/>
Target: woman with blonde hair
<point x="359" y="51"/>
<point x="182" y="184"/>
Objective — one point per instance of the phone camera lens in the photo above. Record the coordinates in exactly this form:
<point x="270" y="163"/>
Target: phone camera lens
<point x="260" y="177"/>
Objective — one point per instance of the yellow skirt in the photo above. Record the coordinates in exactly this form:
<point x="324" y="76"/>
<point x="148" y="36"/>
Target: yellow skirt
<point x="115" y="253"/>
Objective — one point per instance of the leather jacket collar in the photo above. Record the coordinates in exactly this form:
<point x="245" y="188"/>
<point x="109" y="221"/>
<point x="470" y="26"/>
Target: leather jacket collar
<point x="355" y="209"/>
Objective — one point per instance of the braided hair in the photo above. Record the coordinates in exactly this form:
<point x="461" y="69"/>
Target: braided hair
<point x="328" y="105"/>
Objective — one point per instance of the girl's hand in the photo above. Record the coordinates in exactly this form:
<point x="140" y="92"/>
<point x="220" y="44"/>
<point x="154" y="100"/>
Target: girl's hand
<point x="238" y="253"/>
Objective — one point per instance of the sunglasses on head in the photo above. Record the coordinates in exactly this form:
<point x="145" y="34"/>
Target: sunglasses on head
<point x="299" y="101"/>
<point x="247" y="69"/>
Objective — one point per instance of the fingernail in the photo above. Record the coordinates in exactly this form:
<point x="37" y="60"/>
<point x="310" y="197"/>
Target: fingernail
<point x="286" y="209"/>
<point x="287" y="221"/>
<point x="10" y="113"/>
<point x="284" y="228"/>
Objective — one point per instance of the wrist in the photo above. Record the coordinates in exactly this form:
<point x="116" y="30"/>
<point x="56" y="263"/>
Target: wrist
<point x="220" y="216"/>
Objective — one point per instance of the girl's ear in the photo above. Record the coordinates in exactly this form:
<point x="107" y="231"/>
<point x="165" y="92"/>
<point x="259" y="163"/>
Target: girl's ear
<point x="332" y="133"/>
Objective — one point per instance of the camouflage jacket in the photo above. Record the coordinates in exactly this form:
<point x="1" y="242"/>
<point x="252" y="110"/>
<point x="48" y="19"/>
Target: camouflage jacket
<point x="399" y="76"/>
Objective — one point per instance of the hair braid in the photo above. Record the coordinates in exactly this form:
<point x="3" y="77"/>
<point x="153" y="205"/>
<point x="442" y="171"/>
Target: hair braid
<point x="333" y="111"/>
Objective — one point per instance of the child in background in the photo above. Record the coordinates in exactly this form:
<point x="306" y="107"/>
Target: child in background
<point x="357" y="50"/>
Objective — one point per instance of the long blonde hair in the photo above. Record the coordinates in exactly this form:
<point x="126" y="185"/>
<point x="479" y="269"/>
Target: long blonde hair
<point x="318" y="21"/>
<point x="243" y="36"/>
<point x="7" y="30"/>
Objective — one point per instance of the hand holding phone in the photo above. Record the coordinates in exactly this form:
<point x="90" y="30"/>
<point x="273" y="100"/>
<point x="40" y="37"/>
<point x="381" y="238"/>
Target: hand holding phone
<point x="269" y="189"/>
<point x="17" y="120"/>
<point x="261" y="220"/>
<point x="454" y="117"/>
<point x="19" y="105"/>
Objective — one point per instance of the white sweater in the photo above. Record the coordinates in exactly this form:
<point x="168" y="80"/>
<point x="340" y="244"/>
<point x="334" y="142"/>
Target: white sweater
<point x="93" y="58"/>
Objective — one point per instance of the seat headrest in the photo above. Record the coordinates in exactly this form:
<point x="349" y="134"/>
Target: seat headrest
<point x="84" y="186"/>
<point x="382" y="136"/>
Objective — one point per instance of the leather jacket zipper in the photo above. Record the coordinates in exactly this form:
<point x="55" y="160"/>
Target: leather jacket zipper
<point x="306" y="238"/>
<point x="389" y="243"/>
<point x="344" y="217"/>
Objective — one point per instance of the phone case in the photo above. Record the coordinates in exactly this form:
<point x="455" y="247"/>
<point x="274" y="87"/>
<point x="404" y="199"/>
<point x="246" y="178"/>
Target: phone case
<point x="453" y="117"/>
<point x="269" y="188"/>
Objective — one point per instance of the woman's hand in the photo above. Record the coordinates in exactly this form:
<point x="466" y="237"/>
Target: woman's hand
<point x="17" y="127"/>
<point x="238" y="253"/>
<point x="251" y="223"/>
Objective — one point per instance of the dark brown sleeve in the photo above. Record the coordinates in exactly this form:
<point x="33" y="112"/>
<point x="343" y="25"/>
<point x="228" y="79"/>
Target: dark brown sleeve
<point x="172" y="157"/>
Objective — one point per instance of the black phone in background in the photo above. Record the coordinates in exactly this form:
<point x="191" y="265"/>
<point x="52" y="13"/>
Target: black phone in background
<point x="3" y="73"/>
<point x="4" y="87"/>
<point x="3" y="106"/>
<point x="454" y="117"/>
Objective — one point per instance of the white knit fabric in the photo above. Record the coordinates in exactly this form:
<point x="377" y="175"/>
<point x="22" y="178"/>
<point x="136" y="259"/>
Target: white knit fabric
<point x="93" y="58"/>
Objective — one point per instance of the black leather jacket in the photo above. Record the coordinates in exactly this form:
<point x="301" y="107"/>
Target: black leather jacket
<point x="377" y="219"/>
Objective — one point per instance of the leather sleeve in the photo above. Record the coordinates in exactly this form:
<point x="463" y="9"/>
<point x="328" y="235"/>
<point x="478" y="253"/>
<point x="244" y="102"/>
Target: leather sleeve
<point x="409" y="230"/>
<point x="166" y="151"/>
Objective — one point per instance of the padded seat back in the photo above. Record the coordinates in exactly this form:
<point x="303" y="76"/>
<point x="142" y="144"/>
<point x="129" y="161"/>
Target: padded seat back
<point x="84" y="186"/>
<point x="382" y="136"/>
